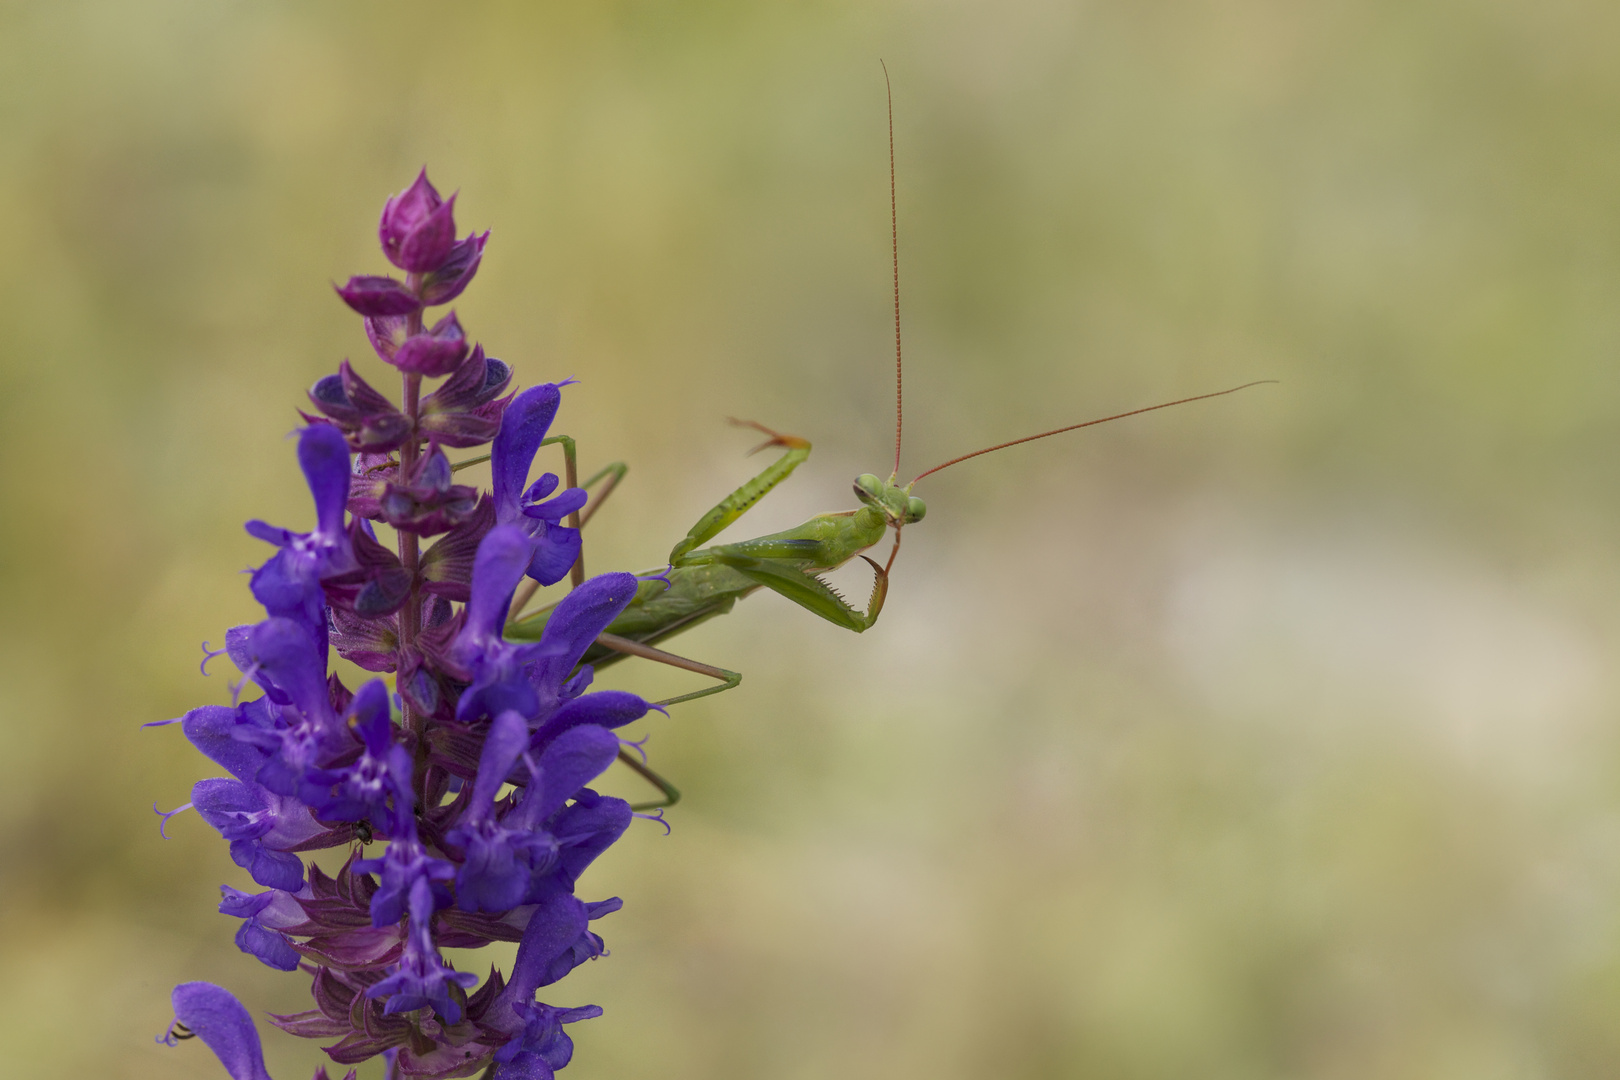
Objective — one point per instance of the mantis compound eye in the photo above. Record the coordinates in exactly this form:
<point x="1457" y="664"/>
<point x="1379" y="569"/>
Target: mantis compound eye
<point x="915" y="509"/>
<point x="868" y="487"/>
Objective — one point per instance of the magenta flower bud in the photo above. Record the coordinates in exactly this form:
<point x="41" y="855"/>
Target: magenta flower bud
<point x="367" y="418"/>
<point x="435" y="352"/>
<point x="418" y="228"/>
<point x="466" y="408"/>
<point x="371" y="296"/>
<point x="444" y="284"/>
<point x="426" y="502"/>
<point x="387" y="333"/>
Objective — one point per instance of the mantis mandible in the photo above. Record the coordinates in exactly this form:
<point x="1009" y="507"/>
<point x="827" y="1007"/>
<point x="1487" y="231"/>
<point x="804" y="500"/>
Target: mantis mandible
<point x="703" y="582"/>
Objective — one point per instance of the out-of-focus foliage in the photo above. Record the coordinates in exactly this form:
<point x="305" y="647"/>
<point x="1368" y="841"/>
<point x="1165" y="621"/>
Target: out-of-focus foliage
<point x="1270" y="737"/>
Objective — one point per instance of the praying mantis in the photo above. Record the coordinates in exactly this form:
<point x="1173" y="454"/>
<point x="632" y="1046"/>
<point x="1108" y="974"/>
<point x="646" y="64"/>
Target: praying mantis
<point x="702" y="582"/>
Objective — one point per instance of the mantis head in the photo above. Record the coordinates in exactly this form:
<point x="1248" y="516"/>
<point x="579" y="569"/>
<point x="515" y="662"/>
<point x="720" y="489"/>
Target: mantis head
<point x="896" y="503"/>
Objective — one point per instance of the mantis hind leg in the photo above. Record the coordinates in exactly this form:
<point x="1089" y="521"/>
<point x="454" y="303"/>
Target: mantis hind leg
<point x="737" y="504"/>
<point x="672" y="794"/>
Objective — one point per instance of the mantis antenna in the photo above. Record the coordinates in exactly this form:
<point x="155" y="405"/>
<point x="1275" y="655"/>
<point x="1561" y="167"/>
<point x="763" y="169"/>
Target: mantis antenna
<point x="1088" y="423"/>
<point x="899" y="381"/>
<point x="894" y="239"/>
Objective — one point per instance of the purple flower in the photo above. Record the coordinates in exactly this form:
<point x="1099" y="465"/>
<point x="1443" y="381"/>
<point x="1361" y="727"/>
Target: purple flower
<point x="289" y="585"/>
<point x="507" y="854"/>
<point x="262" y="826"/>
<point x="494" y="665"/>
<point x="359" y="791"/>
<point x="535" y="1045"/>
<point x="306" y="731"/>
<point x="572" y="629"/>
<point x="542" y="1047"/>
<point x="526" y="679"/>
<point x="584" y="829"/>
<point x="264" y="916"/>
<point x="498" y="861"/>
<point x="220" y="1021"/>
<point x="418" y="228"/>
<point x="406" y="861"/>
<point x="523" y="428"/>
<point x="421" y="977"/>
<point x="210" y="1013"/>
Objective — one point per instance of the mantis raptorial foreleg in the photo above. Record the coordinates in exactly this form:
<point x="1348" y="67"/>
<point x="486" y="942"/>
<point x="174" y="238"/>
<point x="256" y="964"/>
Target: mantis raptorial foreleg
<point x="736" y="504"/>
<point x="808" y="591"/>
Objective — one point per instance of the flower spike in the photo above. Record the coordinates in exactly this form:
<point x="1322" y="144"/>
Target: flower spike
<point x="462" y="784"/>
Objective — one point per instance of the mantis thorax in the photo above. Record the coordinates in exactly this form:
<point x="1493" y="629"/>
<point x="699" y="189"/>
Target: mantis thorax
<point x="896" y="503"/>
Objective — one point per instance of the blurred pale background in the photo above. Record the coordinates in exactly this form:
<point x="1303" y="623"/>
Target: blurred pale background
<point x="1269" y="737"/>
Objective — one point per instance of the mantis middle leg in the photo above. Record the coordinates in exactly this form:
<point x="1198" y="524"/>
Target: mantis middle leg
<point x="614" y="473"/>
<point x="729" y="679"/>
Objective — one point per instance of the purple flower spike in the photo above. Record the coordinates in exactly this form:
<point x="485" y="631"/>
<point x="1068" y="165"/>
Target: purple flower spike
<point x="418" y="228"/>
<point x="372" y="296"/>
<point x="219" y="1020"/>
<point x="434" y="352"/>
<point x="461" y="781"/>
<point x="523" y="429"/>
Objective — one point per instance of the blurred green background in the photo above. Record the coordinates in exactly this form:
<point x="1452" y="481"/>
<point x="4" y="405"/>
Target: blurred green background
<point x="1267" y="737"/>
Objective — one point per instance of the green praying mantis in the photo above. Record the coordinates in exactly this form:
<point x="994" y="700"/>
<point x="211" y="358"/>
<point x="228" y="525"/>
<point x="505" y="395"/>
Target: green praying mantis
<point x="702" y="582"/>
